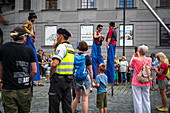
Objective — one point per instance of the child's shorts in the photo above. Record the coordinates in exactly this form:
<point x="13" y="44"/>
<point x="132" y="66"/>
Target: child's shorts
<point x="102" y="100"/>
<point x="115" y="76"/>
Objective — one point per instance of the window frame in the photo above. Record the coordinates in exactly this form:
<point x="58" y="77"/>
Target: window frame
<point x="163" y="32"/>
<point x="165" y="5"/>
<point x="122" y="1"/>
<point x="25" y="4"/>
<point x="87" y="6"/>
<point x="51" y="6"/>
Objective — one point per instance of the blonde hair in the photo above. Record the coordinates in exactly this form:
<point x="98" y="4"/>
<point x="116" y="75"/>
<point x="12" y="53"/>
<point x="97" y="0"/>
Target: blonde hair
<point x="143" y="49"/>
<point x="124" y="57"/>
<point x="102" y="68"/>
<point x="162" y="57"/>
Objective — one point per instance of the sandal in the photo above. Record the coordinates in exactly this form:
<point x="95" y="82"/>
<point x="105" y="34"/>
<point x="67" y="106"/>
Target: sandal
<point x="158" y="107"/>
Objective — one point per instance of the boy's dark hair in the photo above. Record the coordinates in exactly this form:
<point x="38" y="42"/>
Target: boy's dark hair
<point x="83" y="46"/>
<point x="153" y="54"/>
<point x="102" y="68"/>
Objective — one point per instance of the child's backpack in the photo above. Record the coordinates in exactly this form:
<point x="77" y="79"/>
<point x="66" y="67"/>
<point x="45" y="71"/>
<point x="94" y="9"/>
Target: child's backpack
<point x="144" y="76"/>
<point x="80" y="71"/>
<point x="168" y="72"/>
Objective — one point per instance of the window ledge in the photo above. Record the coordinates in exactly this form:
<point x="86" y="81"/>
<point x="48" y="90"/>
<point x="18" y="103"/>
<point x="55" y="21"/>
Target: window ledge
<point x="163" y="7"/>
<point x="126" y="8"/>
<point x="163" y="47"/>
<point x="26" y="10"/>
<point x="87" y="9"/>
<point x="50" y="10"/>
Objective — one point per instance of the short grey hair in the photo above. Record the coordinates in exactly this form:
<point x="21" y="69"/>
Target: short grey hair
<point x="143" y="49"/>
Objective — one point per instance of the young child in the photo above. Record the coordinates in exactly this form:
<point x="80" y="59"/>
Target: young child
<point x="116" y="71"/>
<point x="104" y="59"/>
<point x="101" y="84"/>
<point x="123" y="69"/>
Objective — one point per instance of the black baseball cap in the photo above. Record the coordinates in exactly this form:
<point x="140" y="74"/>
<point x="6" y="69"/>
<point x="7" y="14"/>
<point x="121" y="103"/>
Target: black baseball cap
<point x="64" y="32"/>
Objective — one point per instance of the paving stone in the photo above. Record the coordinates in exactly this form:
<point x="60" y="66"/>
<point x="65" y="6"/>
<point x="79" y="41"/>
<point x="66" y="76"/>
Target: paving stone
<point x="122" y="101"/>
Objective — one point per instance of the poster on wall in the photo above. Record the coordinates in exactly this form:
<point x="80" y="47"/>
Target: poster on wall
<point x="87" y="34"/>
<point x="128" y="35"/>
<point x="50" y="35"/>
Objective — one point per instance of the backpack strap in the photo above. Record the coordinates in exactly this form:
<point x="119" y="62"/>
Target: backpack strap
<point x="143" y="64"/>
<point x="82" y="86"/>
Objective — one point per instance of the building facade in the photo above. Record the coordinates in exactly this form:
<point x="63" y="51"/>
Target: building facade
<point x="81" y="17"/>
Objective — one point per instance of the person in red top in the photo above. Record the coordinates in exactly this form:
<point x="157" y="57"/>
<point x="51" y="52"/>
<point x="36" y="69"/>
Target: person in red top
<point x="162" y="80"/>
<point x="111" y="47"/>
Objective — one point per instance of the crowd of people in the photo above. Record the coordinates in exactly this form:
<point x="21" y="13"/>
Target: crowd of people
<point x="20" y="64"/>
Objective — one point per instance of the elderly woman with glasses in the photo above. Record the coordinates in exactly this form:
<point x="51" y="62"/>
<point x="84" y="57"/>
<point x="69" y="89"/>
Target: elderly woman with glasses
<point x="141" y="99"/>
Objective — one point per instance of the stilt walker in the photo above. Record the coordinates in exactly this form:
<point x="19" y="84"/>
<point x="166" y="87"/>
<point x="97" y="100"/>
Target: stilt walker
<point x="111" y="48"/>
<point x="30" y="41"/>
<point x="97" y="58"/>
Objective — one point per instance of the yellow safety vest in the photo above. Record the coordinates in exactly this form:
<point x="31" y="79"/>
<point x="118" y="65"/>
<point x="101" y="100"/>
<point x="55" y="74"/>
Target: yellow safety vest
<point x="66" y="66"/>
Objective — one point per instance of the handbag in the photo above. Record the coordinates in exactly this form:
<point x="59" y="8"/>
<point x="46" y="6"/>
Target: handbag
<point x="144" y="76"/>
<point x="45" y="66"/>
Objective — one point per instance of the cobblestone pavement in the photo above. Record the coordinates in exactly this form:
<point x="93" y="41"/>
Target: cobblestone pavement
<point x="121" y="102"/>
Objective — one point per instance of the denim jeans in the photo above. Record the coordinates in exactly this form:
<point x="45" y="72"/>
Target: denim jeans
<point x="123" y="75"/>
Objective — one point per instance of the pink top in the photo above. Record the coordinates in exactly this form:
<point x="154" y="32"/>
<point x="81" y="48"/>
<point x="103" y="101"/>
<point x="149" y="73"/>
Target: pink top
<point x="137" y="63"/>
<point x="163" y="76"/>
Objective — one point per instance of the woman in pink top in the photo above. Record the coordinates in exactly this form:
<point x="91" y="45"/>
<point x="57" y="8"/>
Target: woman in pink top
<point x="162" y="81"/>
<point x="141" y="99"/>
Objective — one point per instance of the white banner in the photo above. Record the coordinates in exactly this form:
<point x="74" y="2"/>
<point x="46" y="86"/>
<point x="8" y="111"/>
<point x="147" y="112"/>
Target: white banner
<point x="128" y="35"/>
<point x="87" y="34"/>
<point x="50" y="35"/>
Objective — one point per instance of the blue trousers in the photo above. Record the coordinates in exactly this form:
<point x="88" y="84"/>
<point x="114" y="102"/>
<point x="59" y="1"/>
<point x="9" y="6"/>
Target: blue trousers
<point x="110" y="63"/>
<point x="123" y="75"/>
<point x="30" y="43"/>
<point x="97" y="58"/>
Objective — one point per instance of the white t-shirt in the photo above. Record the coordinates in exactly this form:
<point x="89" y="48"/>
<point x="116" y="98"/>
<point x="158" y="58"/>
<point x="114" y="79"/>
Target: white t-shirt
<point x="60" y="52"/>
<point x="123" y="66"/>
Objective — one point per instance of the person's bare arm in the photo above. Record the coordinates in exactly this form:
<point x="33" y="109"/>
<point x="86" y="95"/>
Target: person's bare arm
<point x="91" y="73"/>
<point x="53" y="67"/>
<point x="108" y="41"/>
<point x="126" y="68"/>
<point x="34" y="70"/>
<point x="97" y="84"/>
<point x="159" y="72"/>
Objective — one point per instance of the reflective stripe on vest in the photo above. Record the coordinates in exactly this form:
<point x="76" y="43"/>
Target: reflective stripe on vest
<point x="66" y="66"/>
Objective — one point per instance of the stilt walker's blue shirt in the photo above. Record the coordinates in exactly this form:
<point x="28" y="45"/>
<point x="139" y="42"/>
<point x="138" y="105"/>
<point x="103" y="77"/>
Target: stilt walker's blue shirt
<point x="30" y="43"/>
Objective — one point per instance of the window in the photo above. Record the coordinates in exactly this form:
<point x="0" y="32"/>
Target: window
<point x="164" y="37"/>
<point x="87" y="3"/>
<point x="27" y="4"/>
<point x="51" y="4"/>
<point x="164" y="3"/>
<point x="129" y="3"/>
